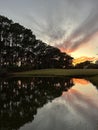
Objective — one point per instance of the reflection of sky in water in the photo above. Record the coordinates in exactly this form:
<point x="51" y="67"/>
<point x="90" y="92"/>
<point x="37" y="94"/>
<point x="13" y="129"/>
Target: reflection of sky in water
<point x="76" y="109"/>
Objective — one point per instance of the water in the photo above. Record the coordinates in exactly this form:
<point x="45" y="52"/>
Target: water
<point x="48" y="104"/>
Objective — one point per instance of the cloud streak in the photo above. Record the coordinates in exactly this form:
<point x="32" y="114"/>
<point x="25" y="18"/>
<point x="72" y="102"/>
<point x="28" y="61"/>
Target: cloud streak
<point x="67" y="24"/>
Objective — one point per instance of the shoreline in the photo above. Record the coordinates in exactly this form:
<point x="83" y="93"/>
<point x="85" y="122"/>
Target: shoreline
<point x="58" y="72"/>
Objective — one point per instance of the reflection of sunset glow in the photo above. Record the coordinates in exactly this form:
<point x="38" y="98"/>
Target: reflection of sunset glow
<point x="75" y="96"/>
<point x="82" y="86"/>
<point x="77" y="109"/>
<point x="80" y="81"/>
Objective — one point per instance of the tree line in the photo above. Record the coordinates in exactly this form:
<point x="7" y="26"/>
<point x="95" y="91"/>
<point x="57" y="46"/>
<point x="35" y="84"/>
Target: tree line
<point x="20" y="50"/>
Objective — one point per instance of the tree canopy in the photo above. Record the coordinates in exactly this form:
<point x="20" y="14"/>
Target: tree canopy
<point x="20" y="49"/>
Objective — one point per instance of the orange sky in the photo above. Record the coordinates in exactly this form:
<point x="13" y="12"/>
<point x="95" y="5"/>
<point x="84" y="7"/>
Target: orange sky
<point x="80" y="81"/>
<point x="83" y="59"/>
<point x="86" y="51"/>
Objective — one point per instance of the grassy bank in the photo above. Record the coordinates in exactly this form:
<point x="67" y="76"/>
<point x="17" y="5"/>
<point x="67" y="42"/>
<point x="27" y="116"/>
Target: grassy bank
<point x="58" y="72"/>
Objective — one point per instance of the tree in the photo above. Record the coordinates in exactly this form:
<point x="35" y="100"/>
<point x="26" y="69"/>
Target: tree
<point x="20" y="50"/>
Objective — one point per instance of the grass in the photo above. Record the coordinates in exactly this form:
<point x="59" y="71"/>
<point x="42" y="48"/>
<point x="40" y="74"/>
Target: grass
<point x="58" y="72"/>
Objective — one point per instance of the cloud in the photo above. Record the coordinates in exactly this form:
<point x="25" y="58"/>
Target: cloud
<point x="67" y="23"/>
<point x="83" y="33"/>
<point x="64" y="23"/>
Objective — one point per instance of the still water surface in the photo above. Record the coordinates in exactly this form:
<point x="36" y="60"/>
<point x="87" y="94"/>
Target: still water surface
<point x="48" y="104"/>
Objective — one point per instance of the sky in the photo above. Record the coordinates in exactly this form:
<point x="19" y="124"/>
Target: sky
<point x="71" y="25"/>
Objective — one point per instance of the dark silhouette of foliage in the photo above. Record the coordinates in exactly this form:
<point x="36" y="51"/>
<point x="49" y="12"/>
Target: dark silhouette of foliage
<point x="20" y="98"/>
<point x="87" y="65"/>
<point x="19" y="48"/>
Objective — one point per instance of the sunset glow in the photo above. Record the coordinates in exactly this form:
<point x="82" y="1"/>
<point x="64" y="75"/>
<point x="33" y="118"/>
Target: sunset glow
<point x="73" y="30"/>
<point x="80" y="59"/>
<point x="48" y="64"/>
<point x="84" y="51"/>
<point x="83" y="59"/>
<point x="66" y="50"/>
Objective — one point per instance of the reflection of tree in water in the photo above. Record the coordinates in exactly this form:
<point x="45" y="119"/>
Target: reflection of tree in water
<point x="20" y="99"/>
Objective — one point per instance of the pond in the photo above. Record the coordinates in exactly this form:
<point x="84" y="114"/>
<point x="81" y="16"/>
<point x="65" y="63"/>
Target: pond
<point x="50" y="103"/>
